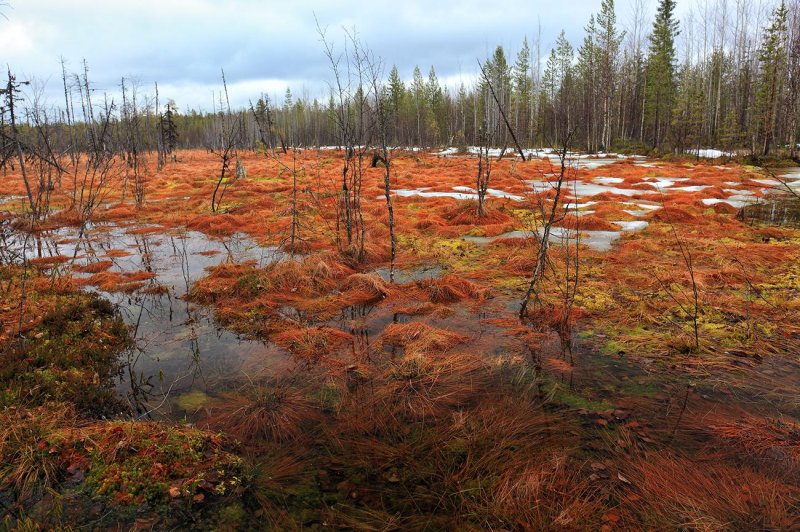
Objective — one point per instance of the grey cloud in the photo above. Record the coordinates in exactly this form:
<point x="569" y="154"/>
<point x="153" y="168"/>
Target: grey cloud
<point x="182" y="44"/>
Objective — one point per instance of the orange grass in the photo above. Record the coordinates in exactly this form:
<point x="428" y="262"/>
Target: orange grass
<point x="709" y="495"/>
<point x="441" y="422"/>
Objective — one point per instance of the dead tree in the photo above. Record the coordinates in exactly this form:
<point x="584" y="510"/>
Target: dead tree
<point x="294" y="229"/>
<point x="383" y="155"/>
<point x="549" y="217"/>
<point x="69" y="117"/>
<point x="46" y="162"/>
<point x="103" y="167"/>
<point x="689" y="304"/>
<point x="502" y="111"/>
<point x="230" y="132"/>
<point x="484" y="168"/>
<point x="262" y="114"/>
<point x="351" y="92"/>
<point x="571" y="280"/>
<point x="130" y="121"/>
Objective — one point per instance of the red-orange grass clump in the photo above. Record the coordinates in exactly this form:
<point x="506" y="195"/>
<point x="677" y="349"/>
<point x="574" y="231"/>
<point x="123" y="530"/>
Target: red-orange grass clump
<point x="94" y="267"/>
<point x="419" y="338"/>
<point x="452" y="288"/>
<point x="269" y="412"/>
<point x="710" y="495"/>
<point x="588" y="222"/>
<point x="311" y="342"/>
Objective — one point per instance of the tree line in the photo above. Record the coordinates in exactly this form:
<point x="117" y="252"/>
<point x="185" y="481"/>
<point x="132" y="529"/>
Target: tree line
<point x="727" y="77"/>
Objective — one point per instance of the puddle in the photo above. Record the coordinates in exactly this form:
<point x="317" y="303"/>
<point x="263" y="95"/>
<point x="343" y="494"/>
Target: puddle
<point x="792" y="174"/>
<point x="493" y="192"/>
<point x="11" y="199"/>
<point x="710" y="153"/>
<point x="637" y="225"/>
<point x="180" y="348"/>
<point x="425" y="194"/>
<point x="662" y="182"/>
<point x="600" y="180"/>
<point x="782" y="211"/>
<point x="404" y="275"/>
<point x="574" y="160"/>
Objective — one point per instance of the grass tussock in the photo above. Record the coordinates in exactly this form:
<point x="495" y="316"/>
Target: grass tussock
<point x="271" y="412"/>
<point x="452" y="288"/>
<point x="710" y="496"/>
<point x="769" y="442"/>
<point x="312" y="342"/>
<point x="417" y="338"/>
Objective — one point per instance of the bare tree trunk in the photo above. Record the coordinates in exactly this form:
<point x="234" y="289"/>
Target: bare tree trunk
<point x="502" y="112"/>
<point x="544" y="240"/>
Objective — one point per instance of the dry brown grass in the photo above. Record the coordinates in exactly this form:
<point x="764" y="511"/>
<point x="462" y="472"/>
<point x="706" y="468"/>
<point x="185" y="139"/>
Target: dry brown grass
<point x="771" y="442"/>
<point x="30" y="440"/>
<point x="311" y="342"/>
<point x="270" y="412"/>
<point x="417" y="338"/>
<point x="420" y="386"/>
<point x="452" y="288"/>
<point x="710" y="495"/>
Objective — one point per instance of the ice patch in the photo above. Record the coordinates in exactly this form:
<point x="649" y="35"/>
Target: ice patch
<point x="637" y="225"/>
<point x="710" y="153"/>
<point x="608" y="180"/>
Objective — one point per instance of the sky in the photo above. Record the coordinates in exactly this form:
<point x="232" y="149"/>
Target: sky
<point x="267" y="46"/>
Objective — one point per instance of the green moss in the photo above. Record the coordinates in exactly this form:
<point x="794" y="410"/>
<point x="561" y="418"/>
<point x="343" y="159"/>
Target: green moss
<point x="72" y="355"/>
<point x="613" y="347"/>
<point x="192" y="401"/>
<point x="232" y="517"/>
<point x="565" y="397"/>
<point x="134" y="463"/>
<point x="266" y="179"/>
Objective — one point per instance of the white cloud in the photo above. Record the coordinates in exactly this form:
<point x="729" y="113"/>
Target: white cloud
<point x="267" y="45"/>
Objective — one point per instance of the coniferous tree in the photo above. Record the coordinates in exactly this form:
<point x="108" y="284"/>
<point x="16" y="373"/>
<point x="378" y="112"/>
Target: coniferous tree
<point x="771" y="60"/>
<point x="397" y="96"/>
<point x="660" y="79"/>
<point x="522" y="88"/>
<point x="608" y="42"/>
<point x="418" y="96"/>
<point x="434" y="103"/>
<point x="565" y="54"/>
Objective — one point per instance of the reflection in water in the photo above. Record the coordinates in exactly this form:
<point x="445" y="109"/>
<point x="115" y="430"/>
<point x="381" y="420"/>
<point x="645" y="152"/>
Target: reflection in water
<point x="179" y="347"/>
<point x="777" y="211"/>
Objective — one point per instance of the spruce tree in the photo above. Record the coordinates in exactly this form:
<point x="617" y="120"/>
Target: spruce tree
<point x="660" y="77"/>
<point x="434" y="99"/>
<point x="522" y="89"/>
<point x="418" y="94"/>
<point x="771" y="61"/>
<point x="397" y="94"/>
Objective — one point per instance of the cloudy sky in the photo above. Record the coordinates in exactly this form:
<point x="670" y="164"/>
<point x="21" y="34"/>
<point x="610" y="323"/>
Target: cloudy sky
<point x="265" y="46"/>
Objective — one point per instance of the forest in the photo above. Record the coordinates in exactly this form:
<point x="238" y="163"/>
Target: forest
<point x="560" y="294"/>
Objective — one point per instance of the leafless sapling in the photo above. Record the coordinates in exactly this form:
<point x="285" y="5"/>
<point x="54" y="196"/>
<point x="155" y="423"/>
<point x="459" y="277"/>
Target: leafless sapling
<point x="229" y="137"/>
